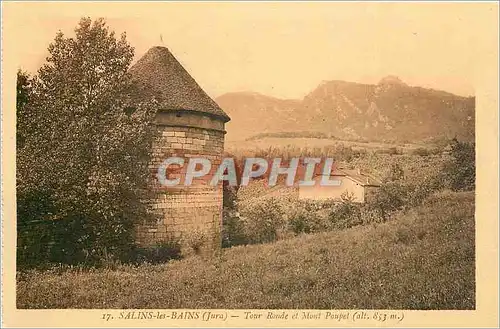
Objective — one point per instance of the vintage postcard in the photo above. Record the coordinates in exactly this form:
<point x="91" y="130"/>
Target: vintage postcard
<point x="249" y="164"/>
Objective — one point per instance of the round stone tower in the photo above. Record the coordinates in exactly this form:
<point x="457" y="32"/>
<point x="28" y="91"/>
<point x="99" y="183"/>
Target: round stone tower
<point x="189" y="124"/>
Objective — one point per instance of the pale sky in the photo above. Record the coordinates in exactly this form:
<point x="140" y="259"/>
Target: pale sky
<point x="282" y="49"/>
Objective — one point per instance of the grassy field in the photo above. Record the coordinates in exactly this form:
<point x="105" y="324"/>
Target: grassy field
<point x="423" y="259"/>
<point x="266" y="142"/>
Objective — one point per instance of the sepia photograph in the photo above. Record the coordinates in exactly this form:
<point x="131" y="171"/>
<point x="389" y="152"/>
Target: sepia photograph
<point x="298" y="161"/>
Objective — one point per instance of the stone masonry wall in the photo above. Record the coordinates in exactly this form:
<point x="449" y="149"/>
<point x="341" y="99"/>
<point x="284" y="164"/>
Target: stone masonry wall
<point x="189" y="214"/>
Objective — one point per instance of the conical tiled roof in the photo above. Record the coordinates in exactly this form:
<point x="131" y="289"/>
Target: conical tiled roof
<point x="163" y="77"/>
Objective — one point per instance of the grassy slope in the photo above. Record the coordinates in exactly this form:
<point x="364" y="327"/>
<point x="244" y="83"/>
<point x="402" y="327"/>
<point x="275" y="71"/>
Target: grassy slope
<point x="420" y="260"/>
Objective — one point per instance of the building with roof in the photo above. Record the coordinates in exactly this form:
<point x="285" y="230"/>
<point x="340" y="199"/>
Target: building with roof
<point x="354" y="183"/>
<point x="188" y="124"/>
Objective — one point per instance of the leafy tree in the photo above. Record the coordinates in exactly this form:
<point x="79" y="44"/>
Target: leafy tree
<point x="460" y="169"/>
<point x="24" y="90"/>
<point x="87" y="146"/>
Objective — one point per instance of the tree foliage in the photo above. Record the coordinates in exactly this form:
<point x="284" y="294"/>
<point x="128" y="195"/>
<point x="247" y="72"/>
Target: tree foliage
<point x="24" y="90"/>
<point x="86" y="144"/>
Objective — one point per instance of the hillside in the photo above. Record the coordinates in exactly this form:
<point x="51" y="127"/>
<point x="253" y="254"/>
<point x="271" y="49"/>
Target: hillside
<point x="423" y="259"/>
<point x="252" y="113"/>
<point x="390" y="111"/>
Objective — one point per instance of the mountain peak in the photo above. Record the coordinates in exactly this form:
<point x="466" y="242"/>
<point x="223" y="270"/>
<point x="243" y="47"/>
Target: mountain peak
<point x="391" y="80"/>
<point x="389" y="111"/>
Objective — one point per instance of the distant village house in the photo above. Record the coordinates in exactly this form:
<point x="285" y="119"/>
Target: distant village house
<point x="353" y="183"/>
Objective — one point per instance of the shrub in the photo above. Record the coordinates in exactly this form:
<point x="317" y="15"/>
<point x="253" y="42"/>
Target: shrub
<point x="419" y="191"/>
<point x="34" y="227"/>
<point x="263" y="220"/>
<point x="299" y="222"/>
<point x="393" y="151"/>
<point x="345" y="214"/>
<point x="421" y="151"/>
<point x="390" y="151"/>
<point x="46" y="235"/>
<point x="390" y="197"/>
<point x="345" y="153"/>
<point x="232" y="226"/>
<point x="233" y="230"/>
<point x="394" y="173"/>
<point x="160" y="253"/>
<point x="370" y="215"/>
<point x="459" y="170"/>
<point x="193" y="243"/>
<point x="300" y="218"/>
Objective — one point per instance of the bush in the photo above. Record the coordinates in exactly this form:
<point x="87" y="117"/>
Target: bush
<point x="421" y="151"/>
<point x="194" y="243"/>
<point x="460" y="170"/>
<point x="160" y="253"/>
<point x="233" y="230"/>
<point x="394" y="173"/>
<point x="232" y="226"/>
<point x="346" y="213"/>
<point x="48" y="235"/>
<point x="418" y="192"/>
<point x="303" y="216"/>
<point x="299" y="222"/>
<point x="393" y="151"/>
<point x="390" y="197"/>
<point x="370" y="215"/>
<point x="264" y="220"/>
<point x="390" y="151"/>
<point x="34" y="227"/>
